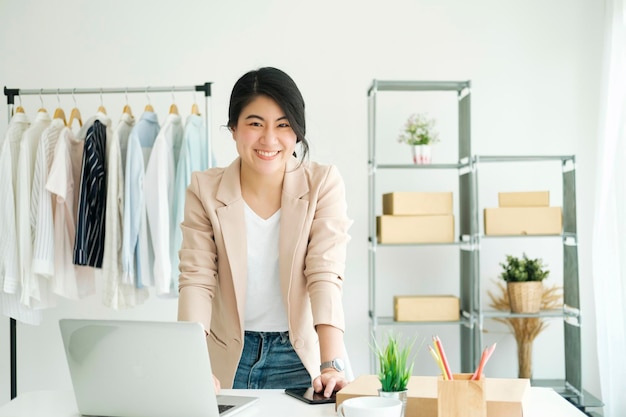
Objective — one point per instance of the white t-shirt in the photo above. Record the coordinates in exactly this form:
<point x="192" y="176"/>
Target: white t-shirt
<point x="265" y="309"/>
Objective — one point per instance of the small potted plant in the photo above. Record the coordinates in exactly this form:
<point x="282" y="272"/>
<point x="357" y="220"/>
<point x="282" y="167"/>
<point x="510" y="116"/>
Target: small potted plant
<point x="394" y="368"/>
<point x="523" y="277"/>
<point x="419" y="132"/>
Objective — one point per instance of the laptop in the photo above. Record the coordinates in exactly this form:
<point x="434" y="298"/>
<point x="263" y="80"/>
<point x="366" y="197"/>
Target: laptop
<point x="125" y="368"/>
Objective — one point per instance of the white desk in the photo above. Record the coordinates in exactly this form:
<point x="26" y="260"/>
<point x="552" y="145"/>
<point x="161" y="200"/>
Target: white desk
<point x="542" y="402"/>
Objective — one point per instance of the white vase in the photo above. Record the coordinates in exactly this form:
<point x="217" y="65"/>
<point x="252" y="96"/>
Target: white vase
<point x="421" y="154"/>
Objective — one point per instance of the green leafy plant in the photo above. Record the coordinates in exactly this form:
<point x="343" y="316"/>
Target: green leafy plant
<point x="523" y="269"/>
<point x="395" y="368"/>
<point x="419" y="129"/>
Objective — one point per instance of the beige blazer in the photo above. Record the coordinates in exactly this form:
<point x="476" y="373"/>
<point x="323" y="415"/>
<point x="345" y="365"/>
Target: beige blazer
<point x="213" y="263"/>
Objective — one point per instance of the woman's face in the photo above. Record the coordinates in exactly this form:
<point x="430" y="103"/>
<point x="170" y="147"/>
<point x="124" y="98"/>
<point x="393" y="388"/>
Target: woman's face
<point x="265" y="140"/>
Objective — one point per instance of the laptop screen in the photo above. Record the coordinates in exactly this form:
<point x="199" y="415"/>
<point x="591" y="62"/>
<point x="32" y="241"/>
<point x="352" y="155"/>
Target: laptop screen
<point x="139" y="368"/>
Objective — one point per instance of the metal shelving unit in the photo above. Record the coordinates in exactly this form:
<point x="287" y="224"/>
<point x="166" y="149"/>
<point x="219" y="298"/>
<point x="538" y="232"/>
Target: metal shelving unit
<point x="469" y="357"/>
<point x="572" y="386"/>
<point x="473" y="315"/>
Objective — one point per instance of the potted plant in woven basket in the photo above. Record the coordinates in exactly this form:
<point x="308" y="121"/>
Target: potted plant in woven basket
<point x="523" y="277"/>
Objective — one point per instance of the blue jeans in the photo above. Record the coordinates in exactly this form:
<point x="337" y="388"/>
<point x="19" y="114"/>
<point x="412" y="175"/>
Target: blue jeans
<point x="268" y="361"/>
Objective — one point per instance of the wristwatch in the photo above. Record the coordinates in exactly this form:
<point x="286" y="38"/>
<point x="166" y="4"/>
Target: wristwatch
<point x="337" y="364"/>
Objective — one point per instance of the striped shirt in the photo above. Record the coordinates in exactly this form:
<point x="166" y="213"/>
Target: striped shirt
<point x="89" y="244"/>
<point x="42" y="222"/>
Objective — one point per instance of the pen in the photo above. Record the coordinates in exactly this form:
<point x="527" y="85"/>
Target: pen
<point x="487" y="352"/>
<point x="442" y="355"/>
<point x="438" y="361"/>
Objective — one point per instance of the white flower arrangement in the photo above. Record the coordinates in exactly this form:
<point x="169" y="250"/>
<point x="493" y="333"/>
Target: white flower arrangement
<point x="419" y="130"/>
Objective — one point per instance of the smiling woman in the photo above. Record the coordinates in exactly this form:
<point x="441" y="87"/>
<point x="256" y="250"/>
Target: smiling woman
<point x="264" y="249"/>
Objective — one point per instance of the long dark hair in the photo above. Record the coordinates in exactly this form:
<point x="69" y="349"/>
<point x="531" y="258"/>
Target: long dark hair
<point x="280" y="87"/>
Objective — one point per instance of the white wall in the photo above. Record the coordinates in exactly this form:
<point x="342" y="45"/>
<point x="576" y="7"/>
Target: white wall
<point x="534" y="67"/>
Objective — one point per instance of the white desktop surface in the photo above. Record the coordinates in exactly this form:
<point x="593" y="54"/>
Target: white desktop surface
<point x="541" y="402"/>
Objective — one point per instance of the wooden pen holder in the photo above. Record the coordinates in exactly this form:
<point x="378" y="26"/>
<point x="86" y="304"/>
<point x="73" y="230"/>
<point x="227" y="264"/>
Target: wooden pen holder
<point x="461" y="397"/>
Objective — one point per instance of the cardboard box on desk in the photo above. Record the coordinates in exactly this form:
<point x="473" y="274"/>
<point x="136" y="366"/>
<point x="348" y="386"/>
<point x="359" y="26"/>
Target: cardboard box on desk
<point x="426" y="308"/>
<point x="415" y="229"/>
<point x="523" y="221"/>
<point x="504" y="395"/>
<point x="417" y="204"/>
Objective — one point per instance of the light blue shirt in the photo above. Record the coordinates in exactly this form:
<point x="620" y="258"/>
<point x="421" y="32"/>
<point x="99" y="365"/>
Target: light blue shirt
<point x="193" y="157"/>
<point x="140" y="144"/>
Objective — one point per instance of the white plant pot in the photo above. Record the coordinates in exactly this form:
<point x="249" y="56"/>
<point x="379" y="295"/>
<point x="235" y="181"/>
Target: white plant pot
<point x="422" y="154"/>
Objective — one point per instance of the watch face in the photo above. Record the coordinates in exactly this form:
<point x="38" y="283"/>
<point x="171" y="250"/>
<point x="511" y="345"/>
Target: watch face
<point x="338" y="364"/>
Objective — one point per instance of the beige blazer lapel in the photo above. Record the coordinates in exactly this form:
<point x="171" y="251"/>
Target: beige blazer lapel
<point x="231" y="218"/>
<point x="292" y="219"/>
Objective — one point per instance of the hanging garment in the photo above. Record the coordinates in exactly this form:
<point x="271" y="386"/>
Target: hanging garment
<point x="10" y="285"/>
<point x="9" y="154"/>
<point x="117" y="294"/>
<point x="159" y="192"/>
<point x="136" y="248"/>
<point x="32" y="294"/>
<point x="193" y="157"/>
<point x="41" y="203"/>
<point x="69" y="280"/>
<point x="89" y="243"/>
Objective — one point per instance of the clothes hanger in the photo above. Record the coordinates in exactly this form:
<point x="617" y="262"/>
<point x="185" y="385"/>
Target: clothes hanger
<point x="194" y="107"/>
<point x="173" y="107"/>
<point x="42" y="109"/>
<point x="195" y="110"/>
<point x="19" y="108"/>
<point x="59" y="113"/>
<point x="149" y="105"/>
<point x="75" y="114"/>
<point x="127" y="109"/>
<point x="101" y="107"/>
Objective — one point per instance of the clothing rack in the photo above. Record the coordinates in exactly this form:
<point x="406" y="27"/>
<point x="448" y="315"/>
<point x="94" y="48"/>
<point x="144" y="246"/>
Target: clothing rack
<point x="11" y="93"/>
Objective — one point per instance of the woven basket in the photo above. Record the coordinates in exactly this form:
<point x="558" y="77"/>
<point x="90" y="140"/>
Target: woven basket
<point x="525" y="297"/>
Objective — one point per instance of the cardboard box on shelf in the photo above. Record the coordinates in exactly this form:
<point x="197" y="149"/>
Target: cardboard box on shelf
<point x="523" y="221"/>
<point x="417" y="203"/>
<point x="504" y="395"/>
<point x="524" y="199"/>
<point x="415" y="229"/>
<point x="426" y="308"/>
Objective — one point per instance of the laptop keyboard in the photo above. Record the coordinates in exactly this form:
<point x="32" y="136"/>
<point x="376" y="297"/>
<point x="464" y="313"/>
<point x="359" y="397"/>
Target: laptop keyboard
<point x="224" y="407"/>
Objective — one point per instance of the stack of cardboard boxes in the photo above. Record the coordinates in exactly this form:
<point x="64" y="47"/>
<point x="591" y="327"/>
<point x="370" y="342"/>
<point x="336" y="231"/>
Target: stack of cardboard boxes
<point x="523" y="213"/>
<point x="414" y="217"/>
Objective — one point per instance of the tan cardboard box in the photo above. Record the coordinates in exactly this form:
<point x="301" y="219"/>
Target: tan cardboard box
<point x="415" y="229"/>
<point x="414" y="203"/>
<point x="504" y="395"/>
<point x="426" y="308"/>
<point x="523" y="221"/>
<point x="524" y="199"/>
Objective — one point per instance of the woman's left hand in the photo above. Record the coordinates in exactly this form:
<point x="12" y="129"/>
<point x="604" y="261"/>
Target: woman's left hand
<point x="329" y="381"/>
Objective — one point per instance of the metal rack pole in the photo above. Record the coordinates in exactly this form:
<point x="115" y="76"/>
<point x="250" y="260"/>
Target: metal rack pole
<point x="11" y="93"/>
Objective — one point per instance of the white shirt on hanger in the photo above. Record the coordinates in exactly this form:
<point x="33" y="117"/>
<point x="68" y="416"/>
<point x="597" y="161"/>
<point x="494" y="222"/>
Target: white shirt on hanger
<point x="116" y="293"/>
<point x="9" y="154"/>
<point x="159" y="195"/>
<point x="32" y="293"/>
<point x="42" y="221"/>
<point x="10" y="285"/>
